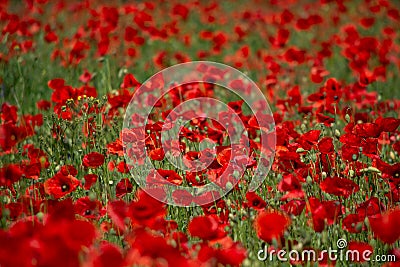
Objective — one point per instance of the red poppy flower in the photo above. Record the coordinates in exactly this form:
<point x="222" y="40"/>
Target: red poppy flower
<point x="16" y="209"/>
<point x="36" y="156"/>
<point x="91" y="209"/>
<point x="85" y="77"/>
<point x="318" y="73"/>
<point x="218" y="208"/>
<point x="325" y="119"/>
<point x="361" y="247"/>
<point x="130" y="81"/>
<point x="43" y="105"/>
<point x="60" y="185"/>
<point x="294" y="194"/>
<point x="35" y="191"/>
<point x="231" y="254"/>
<point x="90" y="180"/>
<point x="353" y="223"/>
<point x="107" y="254"/>
<point x="32" y="171"/>
<point x="396" y="253"/>
<point x="367" y="22"/>
<point x="146" y="209"/>
<point x="396" y="147"/>
<point x="389" y="124"/>
<point x="289" y="182"/>
<point x="10" y="174"/>
<point x="68" y="170"/>
<point x="60" y="95"/>
<point x="77" y="52"/>
<point x="205" y="227"/>
<point x="369" y="147"/>
<point x="350" y="153"/>
<point x="182" y="197"/>
<point x="118" y="212"/>
<point x="130" y="34"/>
<point x="294" y="96"/>
<point x="341" y="187"/>
<point x="196" y="178"/>
<point x="306" y="23"/>
<point x="370" y="207"/>
<point x="180" y="10"/>
<point x="75" y="235"/>
<point x="59" y="210"/>
<point x="219" y="39"/>
<point x="365" y="130"/>
<point x="281" y="38"/>
<point x="115" y="148"/>
<point x="122" y="167"/>
<point x="386" y="226"/>
<point x="271" y="225"/>
<point x="148" y="249"/>
<point x="56" y="83"/>
<point x="294" y="207"/>
<point x="10" y="135"/>
<point x="156" y="154"/>
<point x="160" y="176"/>
<point x="388" y="171"/>
<point x="309" y="139"/>
<point x="255" y="201"/>
<point x="93" y="160"/>
<point x="123" y="187"/>
<point x="11" y="242"/>
<point x="51" y="37"/>
<point x="323" y="212"/>
<point x="86" y="90"/>
<point x="9" y="113"/>
<point x="325" y="145"/>
<point x="294" y="55"/>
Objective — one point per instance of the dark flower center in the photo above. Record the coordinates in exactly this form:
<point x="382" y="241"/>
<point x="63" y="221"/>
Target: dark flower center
<point x="64" y="187"/>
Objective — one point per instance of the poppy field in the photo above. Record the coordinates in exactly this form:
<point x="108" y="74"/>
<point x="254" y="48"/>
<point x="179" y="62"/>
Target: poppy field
<point x="310" y="165"/>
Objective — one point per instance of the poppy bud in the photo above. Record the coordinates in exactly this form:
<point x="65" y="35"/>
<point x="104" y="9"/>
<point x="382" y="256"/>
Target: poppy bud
<point x="92" y="196"/>
<point x="6" y="212"/>
<point x="229" y="186"/>
<point x="300" y="150"/>
<point x="347" y="118"/>
<point x="40" y="216"/>
<point x="359" y="227"/>
<point x="373" y="169"/>
<point x="324" y="237"/>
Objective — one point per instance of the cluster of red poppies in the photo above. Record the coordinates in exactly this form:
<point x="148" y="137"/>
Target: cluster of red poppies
<point x="328" y="69"/>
